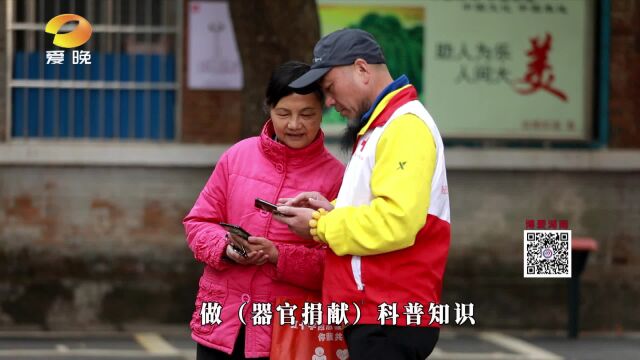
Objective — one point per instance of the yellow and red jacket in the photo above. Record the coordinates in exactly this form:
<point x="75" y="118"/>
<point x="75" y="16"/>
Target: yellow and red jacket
<point x="390" y="229"/>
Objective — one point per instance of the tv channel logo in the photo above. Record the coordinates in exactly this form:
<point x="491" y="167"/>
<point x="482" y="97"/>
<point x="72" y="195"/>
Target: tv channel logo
<point x="68" y="40"/>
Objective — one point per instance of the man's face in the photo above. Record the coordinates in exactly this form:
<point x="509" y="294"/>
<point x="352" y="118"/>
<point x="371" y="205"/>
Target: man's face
<point x="344" y="92"/>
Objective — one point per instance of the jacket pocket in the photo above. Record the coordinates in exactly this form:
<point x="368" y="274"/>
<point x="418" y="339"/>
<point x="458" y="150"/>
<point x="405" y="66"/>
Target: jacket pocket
<point x="208" y="293"/>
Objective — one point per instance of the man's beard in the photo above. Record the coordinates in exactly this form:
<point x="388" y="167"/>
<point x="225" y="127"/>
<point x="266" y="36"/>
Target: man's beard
<point x="350" y="134"/>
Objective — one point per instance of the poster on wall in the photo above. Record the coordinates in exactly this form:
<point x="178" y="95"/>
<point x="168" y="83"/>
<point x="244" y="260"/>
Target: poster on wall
<point x="214" y="61"/>
<point x="510" y="70"/>
<point x="485" y="69"/>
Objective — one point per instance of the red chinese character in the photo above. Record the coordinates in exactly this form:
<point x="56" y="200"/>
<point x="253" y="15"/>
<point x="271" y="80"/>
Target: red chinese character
<point x="539" y="74"/>
<point x="564" y="224"/>
<point x="529" y="224"/>
<point x="553" y="224"/>
<point x="541" y="224"/>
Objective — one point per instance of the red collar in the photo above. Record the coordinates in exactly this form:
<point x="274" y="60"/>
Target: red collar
<point x="402" y="97"/>
<point x="278" y="152"/>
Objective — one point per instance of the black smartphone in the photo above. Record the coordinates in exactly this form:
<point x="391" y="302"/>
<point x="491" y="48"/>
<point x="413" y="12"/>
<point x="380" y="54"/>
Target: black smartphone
<point x="241" y="251"/>
<point x="237" y="230"/>
<point x="267" y="206"/>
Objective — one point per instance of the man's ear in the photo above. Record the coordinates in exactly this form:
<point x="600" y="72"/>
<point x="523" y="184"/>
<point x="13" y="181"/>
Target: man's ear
<point x="362" y="70"/>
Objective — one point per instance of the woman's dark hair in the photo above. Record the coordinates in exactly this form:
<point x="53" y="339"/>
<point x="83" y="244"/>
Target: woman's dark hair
<point x="281" y="77"/>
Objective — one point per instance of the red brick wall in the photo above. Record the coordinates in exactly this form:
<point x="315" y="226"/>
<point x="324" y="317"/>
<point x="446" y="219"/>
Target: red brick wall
<point x="624" y="101"/>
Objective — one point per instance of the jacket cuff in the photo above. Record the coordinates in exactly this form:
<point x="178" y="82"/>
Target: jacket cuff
<point x="211" y="249"/>
<point x="299" y="266"/>
<point x="282" y="264"/>
<point x="322" y="229"/>
<point x="334" y="236"/>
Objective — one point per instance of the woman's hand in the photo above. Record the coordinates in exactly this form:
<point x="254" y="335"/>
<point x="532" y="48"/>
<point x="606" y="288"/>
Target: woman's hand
<point x="309" y="199"/>
<point x="251" y="258"/>
<point x="264" y="247"/>
<point x="258" y="250"/>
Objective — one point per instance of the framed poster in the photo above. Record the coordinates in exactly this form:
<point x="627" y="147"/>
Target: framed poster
<point x="486" y="69"/>
<point x="214" y="59"/>
<point x="515" y="70"/>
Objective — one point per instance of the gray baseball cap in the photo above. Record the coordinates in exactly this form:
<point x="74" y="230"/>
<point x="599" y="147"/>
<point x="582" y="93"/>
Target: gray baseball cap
<point x="341" y="47"/>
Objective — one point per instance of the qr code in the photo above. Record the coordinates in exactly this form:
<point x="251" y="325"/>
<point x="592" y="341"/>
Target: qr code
<point x="547" y="253"/>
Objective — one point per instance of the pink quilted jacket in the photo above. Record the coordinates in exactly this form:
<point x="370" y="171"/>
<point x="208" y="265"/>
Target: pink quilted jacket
<point x="256" y="167"/>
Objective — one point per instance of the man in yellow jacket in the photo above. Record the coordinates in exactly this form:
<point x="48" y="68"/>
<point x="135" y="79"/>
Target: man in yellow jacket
<point x="389" y="228"/>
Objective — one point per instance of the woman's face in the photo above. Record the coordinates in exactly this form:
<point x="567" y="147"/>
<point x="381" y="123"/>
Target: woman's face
<point x="296" y="119"/>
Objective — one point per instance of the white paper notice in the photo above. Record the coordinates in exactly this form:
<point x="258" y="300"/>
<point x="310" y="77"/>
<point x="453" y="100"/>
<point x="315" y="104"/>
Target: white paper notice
<point x="214" y="60"/>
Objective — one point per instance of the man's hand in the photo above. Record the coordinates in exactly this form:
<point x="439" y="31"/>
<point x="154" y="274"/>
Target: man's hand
<point x="297" y="218"/>
<point x="309" y="199"/>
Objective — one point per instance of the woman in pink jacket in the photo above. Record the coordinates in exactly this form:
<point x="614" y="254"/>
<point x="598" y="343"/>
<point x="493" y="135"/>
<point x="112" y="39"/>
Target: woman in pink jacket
<point x="287" y="158"/>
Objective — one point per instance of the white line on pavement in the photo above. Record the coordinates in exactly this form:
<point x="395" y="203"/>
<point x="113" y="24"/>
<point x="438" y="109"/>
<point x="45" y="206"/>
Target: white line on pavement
<point x="189" y="354"/>
<point x="80" y="353"/>
<point x="62" y="348"/>
<point x="437" y="352"/>
<point x="518" y="346"/>
<point x="42" y="334"/>
<point x="477" y="356"/>
<point x="155" y="344"/>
